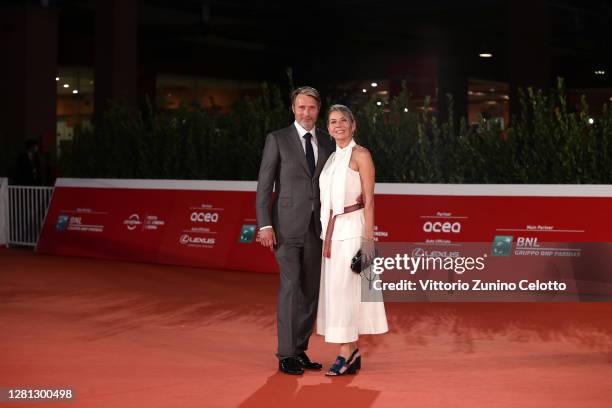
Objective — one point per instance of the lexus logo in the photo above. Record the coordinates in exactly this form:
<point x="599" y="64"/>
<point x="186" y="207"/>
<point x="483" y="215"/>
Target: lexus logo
<point x="186" y="239"/>
<point x="418" y="252"/>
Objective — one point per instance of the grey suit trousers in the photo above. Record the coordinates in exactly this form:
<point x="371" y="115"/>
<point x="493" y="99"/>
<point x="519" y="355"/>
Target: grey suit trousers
<point x="299" y="261"/>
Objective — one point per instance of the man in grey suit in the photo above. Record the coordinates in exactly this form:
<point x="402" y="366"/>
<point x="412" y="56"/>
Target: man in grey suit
<point x="290" y="224"/>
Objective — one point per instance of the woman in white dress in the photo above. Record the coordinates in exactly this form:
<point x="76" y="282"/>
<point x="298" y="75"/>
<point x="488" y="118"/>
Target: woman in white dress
<point x="347" y="218"/>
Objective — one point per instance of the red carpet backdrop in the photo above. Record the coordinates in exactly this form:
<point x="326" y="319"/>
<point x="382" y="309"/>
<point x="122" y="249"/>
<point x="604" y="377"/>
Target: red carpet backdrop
<point x="212" y="223"/>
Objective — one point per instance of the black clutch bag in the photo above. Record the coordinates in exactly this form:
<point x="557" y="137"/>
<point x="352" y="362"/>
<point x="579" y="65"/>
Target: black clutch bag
<point x="358" y="264"/>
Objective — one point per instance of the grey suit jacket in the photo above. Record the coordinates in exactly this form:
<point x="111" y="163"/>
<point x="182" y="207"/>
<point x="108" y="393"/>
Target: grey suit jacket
<point x="284" y="170"/>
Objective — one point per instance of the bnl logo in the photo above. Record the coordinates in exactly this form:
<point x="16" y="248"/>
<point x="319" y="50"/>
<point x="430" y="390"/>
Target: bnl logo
<point x="525" y="242"/>
<point x="502" y="245"/>
<point x="62" y="222"/>
<point x="247" y="233"/>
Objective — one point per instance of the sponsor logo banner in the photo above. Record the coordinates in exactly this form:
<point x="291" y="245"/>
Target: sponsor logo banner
<point x="217" y="228"/>
<point x="214" y="229"/>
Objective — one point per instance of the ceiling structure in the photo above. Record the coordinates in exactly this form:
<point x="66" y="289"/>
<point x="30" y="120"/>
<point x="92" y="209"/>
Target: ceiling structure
<point x="343" y="39"/>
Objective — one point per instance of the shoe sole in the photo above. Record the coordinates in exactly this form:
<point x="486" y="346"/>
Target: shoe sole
<point x="285" y="372"/>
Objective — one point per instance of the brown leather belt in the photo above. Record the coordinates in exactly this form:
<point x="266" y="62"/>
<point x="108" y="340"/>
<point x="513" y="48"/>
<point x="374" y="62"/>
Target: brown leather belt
<point x="330" y="227"/>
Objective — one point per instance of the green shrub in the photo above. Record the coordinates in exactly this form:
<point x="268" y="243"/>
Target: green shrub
<point x="546" y="143"/>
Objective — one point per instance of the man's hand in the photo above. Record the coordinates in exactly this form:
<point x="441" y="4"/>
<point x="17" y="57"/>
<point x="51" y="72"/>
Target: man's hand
<point x="267" y="238"/>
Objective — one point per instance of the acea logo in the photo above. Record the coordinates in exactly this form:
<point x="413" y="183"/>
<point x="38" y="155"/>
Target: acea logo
<point x="204" y="216"/>
<point x="444" y="227"/>
<point x="62" y="222"/>
<point x="502" y="245"/>
<point x="132" y="222"/>
<point x="247" y="234"/>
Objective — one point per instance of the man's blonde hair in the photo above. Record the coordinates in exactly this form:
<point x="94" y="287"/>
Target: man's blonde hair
<point x="306" y="90"/>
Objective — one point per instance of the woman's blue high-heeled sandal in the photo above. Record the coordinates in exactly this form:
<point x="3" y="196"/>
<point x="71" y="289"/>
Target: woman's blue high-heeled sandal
<point x="357" y="357"/>
<point x="341" y="366"/>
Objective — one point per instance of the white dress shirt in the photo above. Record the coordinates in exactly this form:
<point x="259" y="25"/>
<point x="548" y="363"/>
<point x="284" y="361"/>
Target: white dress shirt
<point x="313" y="139"/>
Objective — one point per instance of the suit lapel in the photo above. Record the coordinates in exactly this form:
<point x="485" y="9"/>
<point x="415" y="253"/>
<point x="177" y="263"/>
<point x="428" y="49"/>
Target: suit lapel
<point x="297" y="147"/>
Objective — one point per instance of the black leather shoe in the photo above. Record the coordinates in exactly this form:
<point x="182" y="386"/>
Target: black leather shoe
<point x="290" y="365"/>
<point x="307" y="364"/>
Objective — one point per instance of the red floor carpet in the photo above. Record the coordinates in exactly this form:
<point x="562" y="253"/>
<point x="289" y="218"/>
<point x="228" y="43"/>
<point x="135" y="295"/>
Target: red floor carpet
<point x="136" y="335"/>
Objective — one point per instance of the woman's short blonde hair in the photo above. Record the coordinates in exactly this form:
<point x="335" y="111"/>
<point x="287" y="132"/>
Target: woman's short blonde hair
<point x="343" y="110"/>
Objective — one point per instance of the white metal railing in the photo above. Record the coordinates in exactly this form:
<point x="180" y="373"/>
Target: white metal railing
<point x="4" y="211"/>
<point x="27" y="209"/>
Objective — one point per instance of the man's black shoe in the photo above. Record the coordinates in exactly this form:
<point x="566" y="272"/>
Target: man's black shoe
<point x="290" y="365"/>
<point x="306" y="363"/>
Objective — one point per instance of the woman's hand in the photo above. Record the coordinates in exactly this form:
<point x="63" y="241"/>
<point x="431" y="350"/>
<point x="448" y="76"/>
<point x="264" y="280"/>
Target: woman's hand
<point x="368" y="252"/>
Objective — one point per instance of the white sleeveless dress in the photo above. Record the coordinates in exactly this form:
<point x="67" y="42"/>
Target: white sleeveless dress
<point x="342" y="315"/>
